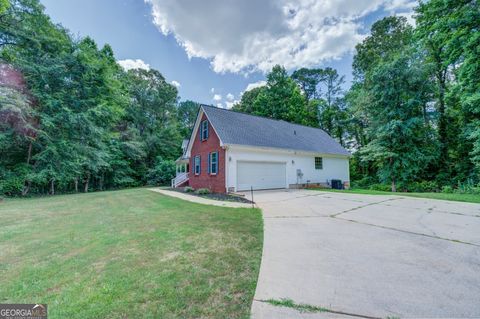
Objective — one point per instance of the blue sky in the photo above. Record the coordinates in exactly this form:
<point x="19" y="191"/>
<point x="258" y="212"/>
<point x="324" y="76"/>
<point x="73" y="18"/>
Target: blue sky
<point x="225" y="44"/>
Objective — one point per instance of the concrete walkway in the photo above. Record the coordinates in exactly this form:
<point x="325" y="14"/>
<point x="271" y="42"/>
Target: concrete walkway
<point x="368" y="255"/>
<point x="200" y="200"/>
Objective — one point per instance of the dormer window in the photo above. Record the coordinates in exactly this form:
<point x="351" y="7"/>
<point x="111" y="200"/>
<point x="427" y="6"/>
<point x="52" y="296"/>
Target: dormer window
<point x="204" y="130"/>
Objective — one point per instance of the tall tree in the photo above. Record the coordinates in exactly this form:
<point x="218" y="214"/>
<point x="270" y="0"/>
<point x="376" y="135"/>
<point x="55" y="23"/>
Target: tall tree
<point x="448" y="32"/>
<point x="332" y="104"/>
<point x="18" y="130"/>
<point x="308" y="80"/>
<point x="247" y="102"/>
<point x="152" y="113"/>
<point x="187" y="114"/>
<point x="357" y="102"/>
<point x="469" y="83"/>
<point x="281" y="99"/>
<point x="41" y="57"/>
<point x="437" y="54"/>
<point x="387" y="36"/>
<point x="399" y="145"/>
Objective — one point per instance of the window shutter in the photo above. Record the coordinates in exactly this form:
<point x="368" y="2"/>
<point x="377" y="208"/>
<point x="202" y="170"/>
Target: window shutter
<point x="199" y="164"/>
<point x="209" y="162"/>
<point x="206" y="131"/>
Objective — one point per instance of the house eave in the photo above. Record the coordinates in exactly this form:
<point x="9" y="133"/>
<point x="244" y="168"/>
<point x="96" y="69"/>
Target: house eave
<point x="284" y="150"/>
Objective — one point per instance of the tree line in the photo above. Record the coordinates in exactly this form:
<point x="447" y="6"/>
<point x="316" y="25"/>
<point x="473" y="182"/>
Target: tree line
<point x="78" y="122"/>
<point x="412" y="115"/>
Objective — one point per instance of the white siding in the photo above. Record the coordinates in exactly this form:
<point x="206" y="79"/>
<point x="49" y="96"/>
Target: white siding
<point x="333" y="167"/>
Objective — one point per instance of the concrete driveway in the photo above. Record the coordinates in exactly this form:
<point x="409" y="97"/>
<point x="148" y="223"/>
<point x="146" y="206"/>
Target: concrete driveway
<point x="368" y="255"/>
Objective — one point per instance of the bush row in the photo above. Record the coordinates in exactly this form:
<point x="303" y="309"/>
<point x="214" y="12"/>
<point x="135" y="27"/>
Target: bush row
<point x="200" y="191"/>
<point x="419" y="187"/>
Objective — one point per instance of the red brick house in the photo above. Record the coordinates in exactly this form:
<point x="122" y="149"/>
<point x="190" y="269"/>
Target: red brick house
<point x="233" y="151"/>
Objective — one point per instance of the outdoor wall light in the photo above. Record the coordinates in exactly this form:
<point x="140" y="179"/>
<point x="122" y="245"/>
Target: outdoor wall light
<point x="229" y="158"/>
<point x="293" y="162"/>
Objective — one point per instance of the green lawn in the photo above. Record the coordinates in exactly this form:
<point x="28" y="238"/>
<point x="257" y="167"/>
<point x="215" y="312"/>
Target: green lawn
<point x="129" y="254"/>
<point x="472" y="198"/>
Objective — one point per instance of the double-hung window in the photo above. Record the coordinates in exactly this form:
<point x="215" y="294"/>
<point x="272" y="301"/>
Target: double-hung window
<point x="197" y="164"/>
<point x="318" y="163"/>
<point x="204" y="130"/>
<point x="213" y="163"/>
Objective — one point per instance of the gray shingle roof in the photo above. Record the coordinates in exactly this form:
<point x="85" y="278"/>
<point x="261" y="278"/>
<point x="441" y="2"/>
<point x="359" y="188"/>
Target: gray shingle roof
<point x="245" y="129"/>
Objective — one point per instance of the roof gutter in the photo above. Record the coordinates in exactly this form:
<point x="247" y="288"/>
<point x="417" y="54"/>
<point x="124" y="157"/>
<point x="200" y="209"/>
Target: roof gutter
<point x="286" y="150"/>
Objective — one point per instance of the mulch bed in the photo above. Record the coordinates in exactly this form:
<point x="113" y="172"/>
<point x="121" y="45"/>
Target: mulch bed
<point x="215" y="196"/>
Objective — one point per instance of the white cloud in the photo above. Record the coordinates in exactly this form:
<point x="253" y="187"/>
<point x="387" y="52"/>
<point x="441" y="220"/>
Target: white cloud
<point x="253" y="85"/>
<point x="212" y="90"/>
<point x="176" y="84"/>
<point x="251" y="35"/>
<point x="403" y="8"/>
<point x="130" y="64"/>
<point x="230" y="104"/>
<point x="230" y="97"/>
<point x="399" y="5"/>
<point x="217" y="97"/>
<point x="220" y="105"/>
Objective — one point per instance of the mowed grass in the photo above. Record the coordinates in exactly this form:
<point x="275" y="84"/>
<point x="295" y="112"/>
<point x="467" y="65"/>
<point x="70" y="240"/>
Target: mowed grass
<point x="129" y="254"/>
<point x="471" y="198"/>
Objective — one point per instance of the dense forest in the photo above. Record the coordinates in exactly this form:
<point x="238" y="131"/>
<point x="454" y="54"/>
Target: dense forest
<point x="79" y="122"/>
<point x="76" y="121"/>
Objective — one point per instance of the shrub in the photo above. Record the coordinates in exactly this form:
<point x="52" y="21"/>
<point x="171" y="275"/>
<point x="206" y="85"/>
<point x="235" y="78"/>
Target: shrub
<point x="12" y="185"/>
<point x="422" y="187"/>
<point x="447" y="189"/>
<point x="12" y="181"/>
<point x="467" y="188"/>
<point x="364" y="182"/>
<point x="162" y="173"/>
<point x="188" y="189"/>
<point x="202" y="191"/>
<point x="380" y="187"/>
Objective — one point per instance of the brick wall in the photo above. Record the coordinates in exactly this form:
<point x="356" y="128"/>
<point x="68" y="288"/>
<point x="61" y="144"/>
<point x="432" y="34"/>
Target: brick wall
<point x="216" y="183"/>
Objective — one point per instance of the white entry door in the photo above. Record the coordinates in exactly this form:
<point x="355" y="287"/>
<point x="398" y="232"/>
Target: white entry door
<point x="260" y="175"/>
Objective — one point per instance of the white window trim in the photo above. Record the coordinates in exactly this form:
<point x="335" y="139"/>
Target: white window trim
<point x="195" y="165"/>
<point x="216" y="163"/>
<point x="315" y="162"/>
<point x="204" y="130"/>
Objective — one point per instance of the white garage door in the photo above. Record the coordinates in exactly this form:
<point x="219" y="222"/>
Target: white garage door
<point x="260" y="175"/>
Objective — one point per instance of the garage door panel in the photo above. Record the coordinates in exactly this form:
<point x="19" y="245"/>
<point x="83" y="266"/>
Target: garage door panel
<point x="260" y="175"/>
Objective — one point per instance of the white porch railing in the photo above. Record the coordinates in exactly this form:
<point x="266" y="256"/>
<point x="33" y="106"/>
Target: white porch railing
<point x="179" y="179"/>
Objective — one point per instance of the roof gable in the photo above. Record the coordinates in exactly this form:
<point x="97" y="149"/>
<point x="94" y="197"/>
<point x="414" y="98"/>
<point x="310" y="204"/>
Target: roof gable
<point x="238" y="128"/>
<point x="195" y="130"/>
